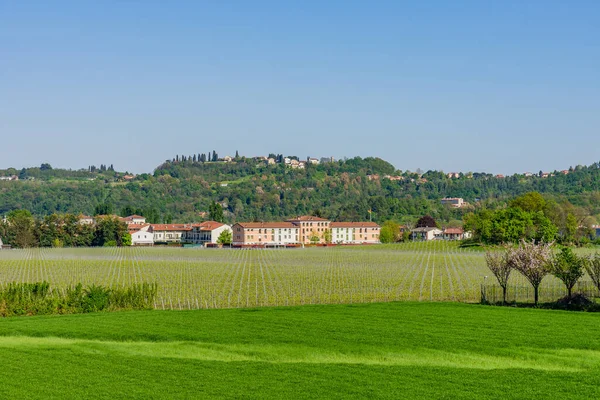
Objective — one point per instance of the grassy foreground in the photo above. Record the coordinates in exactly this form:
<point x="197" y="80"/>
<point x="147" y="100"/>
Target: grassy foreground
<point x="393" y="350"/>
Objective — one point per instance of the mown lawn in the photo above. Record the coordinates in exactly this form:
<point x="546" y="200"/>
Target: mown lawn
<point x="393" y="350"/>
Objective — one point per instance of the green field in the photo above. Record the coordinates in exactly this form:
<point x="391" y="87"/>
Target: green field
<point x="381" y="350"/>
<point x="226" y="278"/>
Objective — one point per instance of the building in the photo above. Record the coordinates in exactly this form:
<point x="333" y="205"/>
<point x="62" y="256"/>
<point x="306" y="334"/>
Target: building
<point x="354" y="232"/>
<point x="1" y="244"/>
<point x="265" y="233"/>
<point x="131" y="228"/>
<point x="451" y="175"/>
<point x="134" y="219"/>
<point x="205" y="232"/>
<point x="312" y="160"/>
<point x="142" y="237"/>
<point x="453" y="201"/>
<point x="86" y="220"/>
<point x="453" y="234"/>
<point x="425" y="233"/>
<point x="311" y="229"/>
<point x="169" y="233"/>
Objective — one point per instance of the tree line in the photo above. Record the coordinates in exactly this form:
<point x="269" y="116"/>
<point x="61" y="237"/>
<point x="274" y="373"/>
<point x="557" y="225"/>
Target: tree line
<point x="21" y="229"/>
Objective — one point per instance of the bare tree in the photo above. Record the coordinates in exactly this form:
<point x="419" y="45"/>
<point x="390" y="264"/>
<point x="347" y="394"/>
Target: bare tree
<point x="592" y="266"/>
<point x="531" y="260"/>
<point x="500" y="266"/>
<point x="568" y="267"/>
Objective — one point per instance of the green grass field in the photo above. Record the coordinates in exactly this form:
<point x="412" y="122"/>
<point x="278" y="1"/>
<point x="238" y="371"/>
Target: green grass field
<point x="379" y="350"/>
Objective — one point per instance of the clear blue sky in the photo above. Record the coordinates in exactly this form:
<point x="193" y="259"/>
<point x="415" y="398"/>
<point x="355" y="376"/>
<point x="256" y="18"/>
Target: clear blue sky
<point x="496" y="86"/>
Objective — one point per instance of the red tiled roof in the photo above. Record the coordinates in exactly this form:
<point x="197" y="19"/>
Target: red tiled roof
<point x="136" y="227"/>
<point x="171" y="227"/>
<point x="247" y="225"/>
<point x="454" y="231"/>
<point x="132" y="217"/>
<point x="354" y="225"/>
<point x="209" y="225"/>
<point x="307" y="218"/>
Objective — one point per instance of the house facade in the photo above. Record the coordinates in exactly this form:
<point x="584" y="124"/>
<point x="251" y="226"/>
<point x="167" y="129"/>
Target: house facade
<point x="169" y="233"/>
<point x="206" y="232"/>
<point x="354" y="232"/>
<point x="142" y="237"/>
<point x="453" y="234"/>
<point x="265" y="233"/>
<point x="425" y="233"/>
<point x="311" y="229"/>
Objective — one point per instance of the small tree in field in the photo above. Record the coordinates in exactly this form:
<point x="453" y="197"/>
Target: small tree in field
<point x="592" y="266"/>
<point x="531" y="260"/>
<point x="500" y="266"/>
<point x="225" y="238"/>
<point x="568" y="267"/>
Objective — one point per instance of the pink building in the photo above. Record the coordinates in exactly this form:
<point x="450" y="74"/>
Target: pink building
<point x="312" y="229"/>
<point x="265" y="233"/>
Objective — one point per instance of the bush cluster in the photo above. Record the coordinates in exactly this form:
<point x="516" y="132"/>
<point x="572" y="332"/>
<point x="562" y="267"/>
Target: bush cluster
<point x="38" y="299"/>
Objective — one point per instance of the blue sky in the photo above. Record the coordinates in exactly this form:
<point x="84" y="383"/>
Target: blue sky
<point x="496" y="86"/>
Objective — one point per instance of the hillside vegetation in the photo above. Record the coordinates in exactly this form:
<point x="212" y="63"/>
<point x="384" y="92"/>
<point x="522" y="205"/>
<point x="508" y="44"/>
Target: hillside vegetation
<point x="252" y="190"/>
<point x="396" y="350"/>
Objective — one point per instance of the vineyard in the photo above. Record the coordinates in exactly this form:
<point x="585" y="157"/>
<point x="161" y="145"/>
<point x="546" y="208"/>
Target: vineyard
<point x="226" y="278"/>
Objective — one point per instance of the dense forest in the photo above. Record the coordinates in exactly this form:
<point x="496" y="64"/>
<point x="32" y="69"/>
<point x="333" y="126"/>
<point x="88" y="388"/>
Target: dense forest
<point x="182" y="189"/>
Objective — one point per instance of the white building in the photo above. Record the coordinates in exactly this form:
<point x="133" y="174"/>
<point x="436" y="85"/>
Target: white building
<point x="354" y="232"/>
<point x="426" y="233"/>
<point x="1" y="244"/>
<point x="134" y="219"/>
<point x="142" y="237"/>
<point x="169" y="233"/>
<point x="206" y="232"/>
<point x="86" y="220"/>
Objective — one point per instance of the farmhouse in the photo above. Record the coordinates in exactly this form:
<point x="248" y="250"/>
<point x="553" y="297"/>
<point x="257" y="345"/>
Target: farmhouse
<point x="169" y="233"/>
<point x="205" y="232"/>
<point x="425" y="233"/>
<point x="454" y="234"/>
<point x="142" y="237"/>
<point x="265" y="233"/>
<point x="354" y="232"/>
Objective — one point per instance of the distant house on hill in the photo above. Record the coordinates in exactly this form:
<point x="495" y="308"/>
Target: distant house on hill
<point x="457" y="202"/>
<point x="86" y="220"/>
<point x="134" y="219"/>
